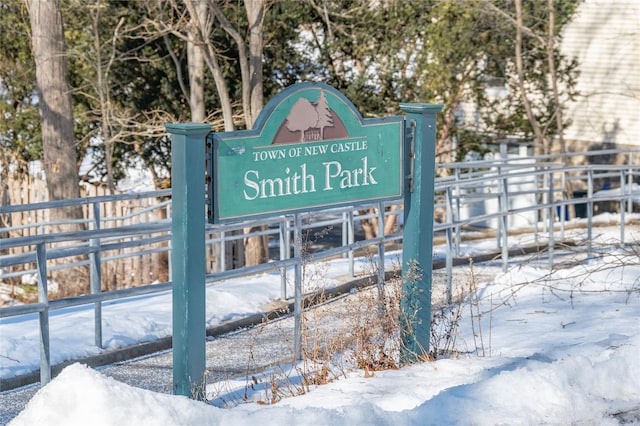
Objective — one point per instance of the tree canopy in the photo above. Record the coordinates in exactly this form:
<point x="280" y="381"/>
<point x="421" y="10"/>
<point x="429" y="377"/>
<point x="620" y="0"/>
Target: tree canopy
<point x="129" y="72"/>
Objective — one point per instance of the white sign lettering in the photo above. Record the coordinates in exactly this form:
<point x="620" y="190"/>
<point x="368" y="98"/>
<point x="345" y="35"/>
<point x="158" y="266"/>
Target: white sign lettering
<point x="300" y="181"/>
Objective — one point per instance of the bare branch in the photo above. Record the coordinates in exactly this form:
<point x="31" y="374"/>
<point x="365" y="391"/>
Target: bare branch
<point x="214" y="66"/>
<point x="243" y="56"/>
<point x="177" y="66"/>
<point x="514" y="21"/>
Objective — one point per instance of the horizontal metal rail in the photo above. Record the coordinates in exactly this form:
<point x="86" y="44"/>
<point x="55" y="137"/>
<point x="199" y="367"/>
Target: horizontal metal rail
<point x="490" y="187"/>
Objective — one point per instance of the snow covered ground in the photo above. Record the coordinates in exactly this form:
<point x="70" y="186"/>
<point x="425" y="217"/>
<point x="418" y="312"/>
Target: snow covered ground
<point x="554" y="347"/>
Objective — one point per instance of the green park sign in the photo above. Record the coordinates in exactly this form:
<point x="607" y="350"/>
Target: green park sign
<point x="309" y="149"/>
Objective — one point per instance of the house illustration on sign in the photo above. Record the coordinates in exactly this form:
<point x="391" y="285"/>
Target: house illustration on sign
<point x="310" y="122"/>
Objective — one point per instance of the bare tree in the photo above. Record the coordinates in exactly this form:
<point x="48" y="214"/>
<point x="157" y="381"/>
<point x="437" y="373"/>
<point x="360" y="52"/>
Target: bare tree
<point x="256" y="248"/>
<point x="551" y="60"/>
<point x="540" y="140"/>
<point x="250" y="55"/>
<point x="102" y="86"/>
<point x="190" y="22"/>
<point x="193" y="24"/>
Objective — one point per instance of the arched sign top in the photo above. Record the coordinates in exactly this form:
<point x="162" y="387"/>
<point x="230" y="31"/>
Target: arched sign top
<point x="309" y="148"/>
<point x="309" y="111"/>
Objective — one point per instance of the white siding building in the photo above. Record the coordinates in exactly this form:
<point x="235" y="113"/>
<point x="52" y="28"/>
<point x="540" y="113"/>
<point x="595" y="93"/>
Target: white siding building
<point x="604" y="36"/>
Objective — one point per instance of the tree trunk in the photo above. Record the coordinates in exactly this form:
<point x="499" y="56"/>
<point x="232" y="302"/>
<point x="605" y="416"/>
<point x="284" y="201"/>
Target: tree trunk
<point x="250" y="59"/>
<point x="539" y="137"/>
<point x="196" y="64"/>
<point x="195" y="58"/>
<point x="102" y="87"/>
<point x="554" y="78"/>
<point x="200" y="32"/>
<point x="255" y="16"/>
<point x="370" y="226"/>
<point x="56" y="115"/>
<point x="256" y="248"/>
<point x="58" y="141"/>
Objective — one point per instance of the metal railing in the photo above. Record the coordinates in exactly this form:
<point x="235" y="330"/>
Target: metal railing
<point x="502" y="194"/>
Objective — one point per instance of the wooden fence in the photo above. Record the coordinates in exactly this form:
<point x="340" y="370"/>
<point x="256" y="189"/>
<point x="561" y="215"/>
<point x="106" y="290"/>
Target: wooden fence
<point x="127" y="269"/>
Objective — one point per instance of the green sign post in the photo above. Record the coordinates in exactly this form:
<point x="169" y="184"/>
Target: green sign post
<point x="417" y="238"/>
<point x="188" y="257"/>
<point x="310" y="149"/>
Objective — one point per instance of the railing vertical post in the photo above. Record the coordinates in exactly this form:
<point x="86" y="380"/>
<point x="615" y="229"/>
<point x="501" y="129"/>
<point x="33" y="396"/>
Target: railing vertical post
<point x="589" y="210"/>
<point x="630" y="183"/>
<point x="223" y="252"/>
<point x="499" y="220"/>
<point x="343" y="234"/>
<point x="563" y="206"/>
<point x="536" y="218"/>
<point x="188" y="257"/>
<point x="623" y="193"/>
<point x="96" y="277"/>
<point x="457" y="215"/>
<point x="551" y="216"/>
<point x="449" y="232"/>
<point x="545" y="196"/>
<point x="287" y="241"/>
<point x="43" y="297"/>
<point x="297" y="303"/>
<point x="350" y="240"/>
<point x="381" y="249"/>
<point x="504" y="220"/>
<point x="282" y="237"/>
<point x="417" y="250"/>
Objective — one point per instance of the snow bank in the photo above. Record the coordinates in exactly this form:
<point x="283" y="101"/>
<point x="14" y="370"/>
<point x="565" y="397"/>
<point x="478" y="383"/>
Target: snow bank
<point x="589" y="387"/>
<point x="562" y="347"/>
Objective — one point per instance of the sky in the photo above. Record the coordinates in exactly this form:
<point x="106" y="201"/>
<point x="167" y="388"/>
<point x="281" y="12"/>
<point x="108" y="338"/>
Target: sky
<point x="552" y="347"/>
